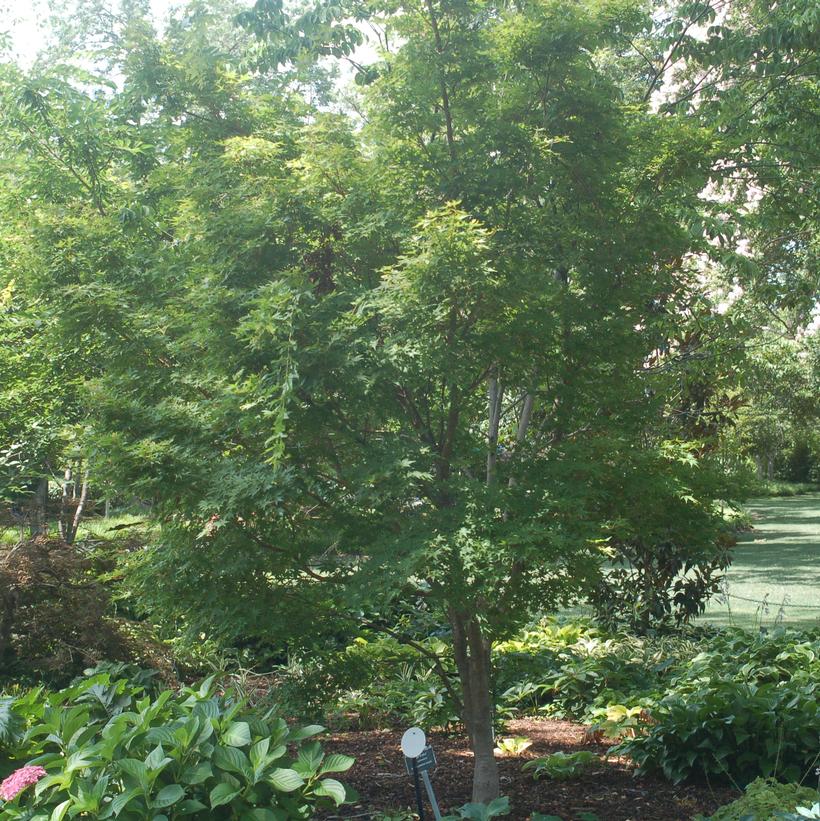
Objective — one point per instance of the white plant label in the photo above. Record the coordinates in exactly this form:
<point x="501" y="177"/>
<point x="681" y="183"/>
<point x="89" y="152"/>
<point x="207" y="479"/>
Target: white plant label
<point x="413" y="742"/>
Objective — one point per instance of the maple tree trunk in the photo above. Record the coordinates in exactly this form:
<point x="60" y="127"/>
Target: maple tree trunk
<point x="472" y="653"/>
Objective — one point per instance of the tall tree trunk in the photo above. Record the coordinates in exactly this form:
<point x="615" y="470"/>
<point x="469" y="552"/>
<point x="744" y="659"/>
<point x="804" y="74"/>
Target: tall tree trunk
<point x="62" y="519"/>
<point x="71" y="533"/>
<point x="521" y="432"/>
<point x="495" y="393"/>
<point x="472" y="654"/>
<point x="38" y="523"/>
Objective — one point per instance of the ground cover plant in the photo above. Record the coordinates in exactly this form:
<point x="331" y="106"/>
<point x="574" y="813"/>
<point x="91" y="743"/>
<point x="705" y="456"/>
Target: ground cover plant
<point x="105" y="748"/>
<point x="767" y="799"/>
<point x="560" y="765"/>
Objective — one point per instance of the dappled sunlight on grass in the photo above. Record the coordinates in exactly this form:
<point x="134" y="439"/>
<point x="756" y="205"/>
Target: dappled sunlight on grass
<point x="774" y="575"/>
<point x="96" y="528"/>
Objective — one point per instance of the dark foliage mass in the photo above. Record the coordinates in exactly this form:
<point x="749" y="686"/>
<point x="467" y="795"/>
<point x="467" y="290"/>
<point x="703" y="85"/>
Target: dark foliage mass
<point x="53" y="610"/>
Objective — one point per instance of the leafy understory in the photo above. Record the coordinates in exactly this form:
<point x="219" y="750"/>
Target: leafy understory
<point x="111" y="750"/>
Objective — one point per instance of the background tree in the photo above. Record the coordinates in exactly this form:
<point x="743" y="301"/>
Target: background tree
<point x="778" y="423"/>
<point x="394" y="364"/>
<point x="749" y="71"/>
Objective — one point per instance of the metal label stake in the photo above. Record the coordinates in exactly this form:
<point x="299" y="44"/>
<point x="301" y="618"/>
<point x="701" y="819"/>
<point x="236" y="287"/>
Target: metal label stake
<point x="419" y="802"/>
<point x="425" y="776"/>
<point x="420" y="760"/>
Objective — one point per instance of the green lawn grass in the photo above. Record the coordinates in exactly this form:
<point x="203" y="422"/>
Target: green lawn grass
<point x="94" y="527"/>
<point x="775" y="574"/>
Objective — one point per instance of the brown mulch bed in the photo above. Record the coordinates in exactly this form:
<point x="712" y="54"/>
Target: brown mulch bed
<point x="610" y="790"/>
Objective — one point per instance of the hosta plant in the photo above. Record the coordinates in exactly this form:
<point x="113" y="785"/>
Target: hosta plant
<point x="197" y="753"/>
<point x="477" y="811"/>
<point x="802" y="813"/>
<point x="561" y="766"/>
<point x="734" y="730"/>
<point x="512" y="746"/>
<point x="618" y="720"/>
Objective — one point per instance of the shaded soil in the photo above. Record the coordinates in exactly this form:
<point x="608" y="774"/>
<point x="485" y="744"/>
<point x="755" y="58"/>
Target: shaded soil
<point x="609" y="789"/>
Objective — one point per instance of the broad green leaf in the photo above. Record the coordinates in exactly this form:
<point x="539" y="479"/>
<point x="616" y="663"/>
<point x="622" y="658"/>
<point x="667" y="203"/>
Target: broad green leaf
<point x="237" y="734"/>
<point x="231" y="759"/>
<point x="189" y="807"/>
<point x="301" y="733"/>
<point x="121" y="801"/>
<point x="310" y="758"/>
<point x="161" y="735"/>
<point x="49" y="781"/>
<point x="336" y="763"/>
<point x="156" y="759"/>
<point x="285" y="780"/>
<point x="222" y="794"/>
<point x="167" y="796"/>
<point x="80" y="760"/>
<point x="197" y="773"/>
<point x="259" y="750"/>
<point x="332" y="789"/>
<point x="58" y="813"/>
<point x="135" y="769"/>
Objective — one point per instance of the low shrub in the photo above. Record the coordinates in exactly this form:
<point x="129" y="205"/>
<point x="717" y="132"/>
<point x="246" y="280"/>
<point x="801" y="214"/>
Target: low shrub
<point x="584" y="683"/>
<point x="733" y="729"/>
<point x="414" y="697"/>
<point x="780" y="487"/>
<point x="765" y="799"/>
<point x="584" y="669"/>
<point x="811" y="813"/>
<point x="106" y="750"/>
<point x="52" y="611"/>
<point x="779" y="656"/>
<point x="372" y="683"/>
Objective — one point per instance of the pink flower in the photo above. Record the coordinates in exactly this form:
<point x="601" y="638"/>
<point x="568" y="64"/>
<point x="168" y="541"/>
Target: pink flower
<point x="19" y="780"/>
